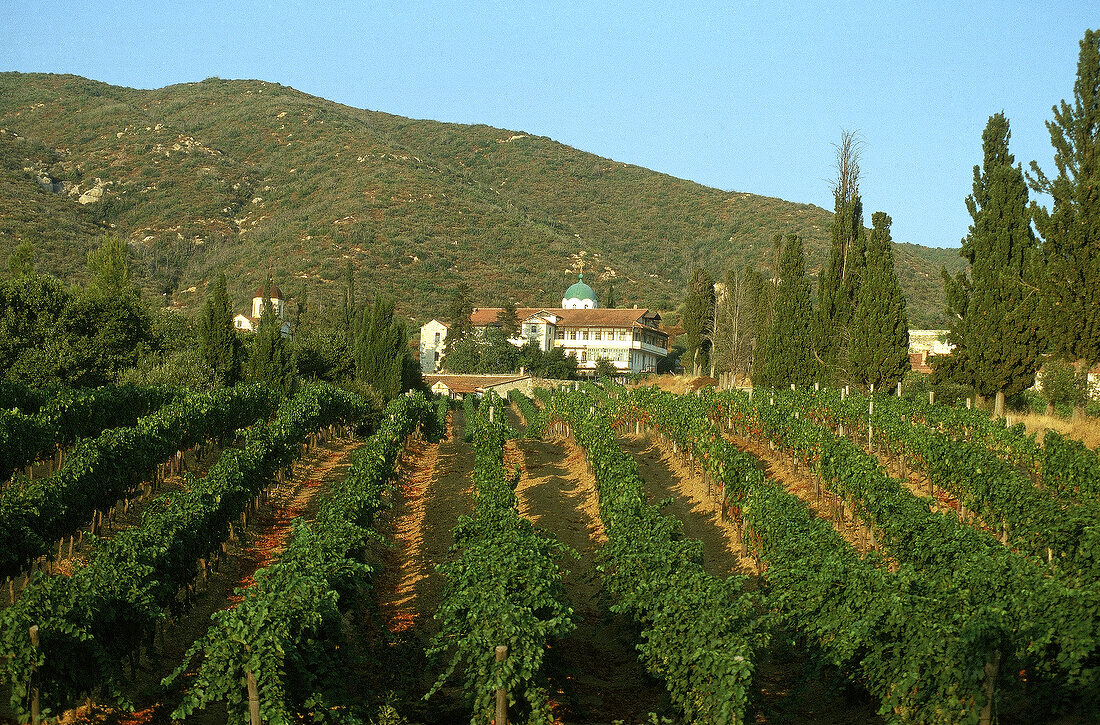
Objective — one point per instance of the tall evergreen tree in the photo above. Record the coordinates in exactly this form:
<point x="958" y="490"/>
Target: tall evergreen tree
<point x="348" y="302"/>
<point x="220" y="346"/>
<point x="109" y="267"/>
<point x="610" y="300"/>
<point x="879" y="343"/>
<point x="838" y="286"/>
<point x="507" y="317"/>
<point x="1071" y="230"/>
<point x="381" y="349"/>
<point x="996" y="326"/>
<point x="697" y="318"/>
<point x="273" y="361"/>
<point x="787" y="354"/>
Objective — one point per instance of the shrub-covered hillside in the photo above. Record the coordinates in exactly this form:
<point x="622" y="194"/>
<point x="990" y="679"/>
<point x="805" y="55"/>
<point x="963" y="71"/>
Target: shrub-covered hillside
<point x="256" y="178"/>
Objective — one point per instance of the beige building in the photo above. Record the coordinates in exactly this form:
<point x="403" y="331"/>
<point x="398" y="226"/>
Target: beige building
<point x="249" y="323"/>
<point x="630" y="338"/>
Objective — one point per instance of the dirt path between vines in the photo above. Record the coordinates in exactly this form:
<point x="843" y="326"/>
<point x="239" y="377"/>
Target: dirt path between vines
<point x="595" y="672"/>
<point x="791" y="690"/>
<point x="665" y="476"/>
<point x="258" y="545"/>
<point x="435" y="482"/>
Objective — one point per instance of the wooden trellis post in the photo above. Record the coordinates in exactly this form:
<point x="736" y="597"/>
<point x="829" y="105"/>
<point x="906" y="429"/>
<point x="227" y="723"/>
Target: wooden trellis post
<point x="502" y="694"/>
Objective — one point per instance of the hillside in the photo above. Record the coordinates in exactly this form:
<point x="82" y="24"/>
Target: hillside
<point x="253" y="177"/>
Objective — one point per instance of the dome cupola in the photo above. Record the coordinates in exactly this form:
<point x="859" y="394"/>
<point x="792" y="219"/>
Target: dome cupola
<point x="579" y="296"/>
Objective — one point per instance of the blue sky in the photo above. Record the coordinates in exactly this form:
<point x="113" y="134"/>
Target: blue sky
<point x="742" y="96"/>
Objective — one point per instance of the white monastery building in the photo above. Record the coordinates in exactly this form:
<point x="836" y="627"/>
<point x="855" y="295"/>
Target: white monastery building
<point x="249" y="323"/>
<point x="628" y="337"/>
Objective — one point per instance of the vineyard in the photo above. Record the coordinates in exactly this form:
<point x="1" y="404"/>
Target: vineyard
<point x="596" y="554"/>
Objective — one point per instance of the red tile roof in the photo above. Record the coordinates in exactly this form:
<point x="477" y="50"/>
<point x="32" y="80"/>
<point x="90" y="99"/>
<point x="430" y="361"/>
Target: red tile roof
<point x="599" y="317"/>
<point x="471" y="383"/>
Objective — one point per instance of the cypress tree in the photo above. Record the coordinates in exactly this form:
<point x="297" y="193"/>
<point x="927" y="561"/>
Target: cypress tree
<point x="220" y="346"/>
<point x="610" y="300"/>
<point x="273" y="361"/>
<point x="879" y="348"/>
<point x="381" y="347"/>
<point x="839" y="286"/>
<point x="1070" y="282"/>
<point x="996" y="331"/>
<point x="697" y="318"/>
<point x="787" y="354"/>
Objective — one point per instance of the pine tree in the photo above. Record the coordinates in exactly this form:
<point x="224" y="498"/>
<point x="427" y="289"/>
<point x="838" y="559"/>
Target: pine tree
<point x="879" y="346"/>
<point x="787" y="354"/>
<point x="220" y="346"/>
<point x="109" y="268"/>
<point x="838" y="286"/>
<point x="697" y="318"/>
<point x="996" y="329"/>
<point x="1071" y="230"/>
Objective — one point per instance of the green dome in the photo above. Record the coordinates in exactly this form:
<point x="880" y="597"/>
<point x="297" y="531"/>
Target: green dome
<point x="580" y="291"/>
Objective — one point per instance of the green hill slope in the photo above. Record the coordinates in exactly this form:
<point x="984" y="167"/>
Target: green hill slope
<point x="257" y="178"/>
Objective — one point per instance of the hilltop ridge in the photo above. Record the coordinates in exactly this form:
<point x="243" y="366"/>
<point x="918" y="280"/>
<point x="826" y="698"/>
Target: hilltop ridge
<point x="256" y="178"/>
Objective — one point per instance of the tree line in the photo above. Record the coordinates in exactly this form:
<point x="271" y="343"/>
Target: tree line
<point x="1031" y="290"/>
<point x="53" y="336"/>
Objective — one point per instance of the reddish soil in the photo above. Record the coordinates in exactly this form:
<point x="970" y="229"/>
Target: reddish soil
<point x="435" y="491"/>
<point x="595" y="673"/>
<point x="257" y="545"/>
<point x="792" y="690"/>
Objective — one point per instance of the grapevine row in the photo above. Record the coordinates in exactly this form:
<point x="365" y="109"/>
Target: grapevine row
<point x="69" y="416"/>
<point x="98" y="471"/>
<point x="503" y="587"/>
<point x="90" y="623"/>
<point x="700" y="633"/>
<point x="286" y="628"/>
<point x="1042" y="625"/>
<point x="884" y="626"/>
<point x="533" y="416"/>
<point x="1026" y="517"/>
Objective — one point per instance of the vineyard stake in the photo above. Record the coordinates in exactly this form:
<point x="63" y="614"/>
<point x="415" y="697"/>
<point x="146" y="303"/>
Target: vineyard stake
<point x="36" y="712"/>
<point x="502" y="695"/>
<point x="991" y="668"/>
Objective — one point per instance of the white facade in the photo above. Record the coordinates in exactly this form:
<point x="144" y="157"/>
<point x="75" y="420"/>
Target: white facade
<point x="433" y="337"/>
<point x="246" y="323"/>
<point x="631" y="339"/>
<point x="930" y="342"/>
